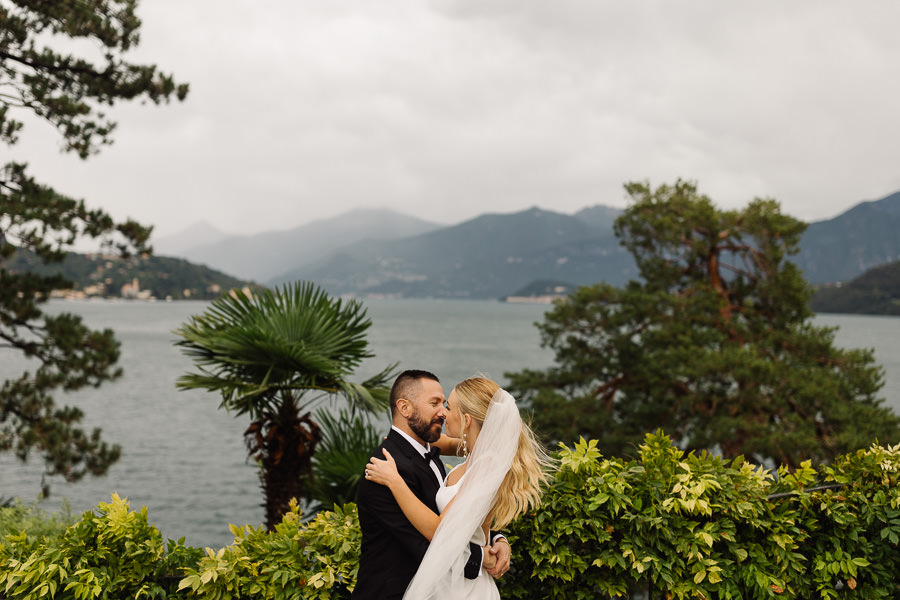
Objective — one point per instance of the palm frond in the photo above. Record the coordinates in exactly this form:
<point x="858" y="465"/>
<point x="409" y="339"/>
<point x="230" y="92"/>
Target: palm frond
<point x="372" y="395"/>
<point x="347" y="442"/>
<point x="250" y="348"/>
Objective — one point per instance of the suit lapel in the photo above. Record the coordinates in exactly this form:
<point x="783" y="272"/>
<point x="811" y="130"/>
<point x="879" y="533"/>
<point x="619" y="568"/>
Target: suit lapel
<point x="413" y="456"/>
<point x="440" y="466"/>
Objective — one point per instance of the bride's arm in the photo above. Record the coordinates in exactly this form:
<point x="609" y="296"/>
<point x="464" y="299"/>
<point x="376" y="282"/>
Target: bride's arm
<point x="422" y="518"/>
<point x="385" y="473"/>
<point x="449" y="446"/>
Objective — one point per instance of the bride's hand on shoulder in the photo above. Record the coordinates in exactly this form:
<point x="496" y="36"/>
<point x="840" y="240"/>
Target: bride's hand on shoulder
<point x="383" y="472"/>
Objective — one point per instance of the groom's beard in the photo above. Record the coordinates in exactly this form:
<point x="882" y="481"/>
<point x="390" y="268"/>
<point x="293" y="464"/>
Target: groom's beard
<point x="429" y="431"/>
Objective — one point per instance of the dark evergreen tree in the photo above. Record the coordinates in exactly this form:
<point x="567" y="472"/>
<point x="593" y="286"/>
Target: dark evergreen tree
<point x="40" y="76"/>
<point x="714" y="344"/>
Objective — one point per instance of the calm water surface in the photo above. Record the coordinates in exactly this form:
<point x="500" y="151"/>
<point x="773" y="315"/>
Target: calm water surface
<point x="184" y="458"/>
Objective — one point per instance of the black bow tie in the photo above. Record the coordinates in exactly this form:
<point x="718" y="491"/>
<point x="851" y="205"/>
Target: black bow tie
<point x="433" y="454"/>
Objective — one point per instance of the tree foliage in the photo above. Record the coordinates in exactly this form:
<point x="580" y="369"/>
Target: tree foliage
<point x="273" y="354"/>
<point x="66" y="89"/>
<point x="41" y="77"/>
<point x="714" y="344"/>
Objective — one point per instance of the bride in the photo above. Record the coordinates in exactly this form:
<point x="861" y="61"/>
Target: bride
<point x="500" y="479"/>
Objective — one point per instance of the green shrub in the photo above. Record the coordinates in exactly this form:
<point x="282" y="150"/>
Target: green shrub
<point x="854" y="531"/>
<point x="318" y="560"/>
<point x="110" y="553"/>
<point x="672" y="524"/>
<point x="35" y="522"/>
<point x="696" y="526"/>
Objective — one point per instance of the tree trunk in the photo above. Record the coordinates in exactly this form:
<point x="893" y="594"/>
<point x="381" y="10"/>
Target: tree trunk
<point x="284" y="445"/>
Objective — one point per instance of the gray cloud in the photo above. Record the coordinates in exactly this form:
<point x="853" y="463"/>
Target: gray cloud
<point x="448" y="109"/>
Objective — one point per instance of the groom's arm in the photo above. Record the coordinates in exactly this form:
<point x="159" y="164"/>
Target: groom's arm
<point x="385" y="509"/>
<point x="473" y="565"/>
<point x="382" y="506"/>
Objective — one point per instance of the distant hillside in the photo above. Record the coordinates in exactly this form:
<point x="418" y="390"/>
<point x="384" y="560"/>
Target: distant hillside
<point x="263" y="256"/>
<point x="841" y="248"/>
<point x="875" y="292"/>
<point x="486" y="257"/>
<point x="110" y="276"/>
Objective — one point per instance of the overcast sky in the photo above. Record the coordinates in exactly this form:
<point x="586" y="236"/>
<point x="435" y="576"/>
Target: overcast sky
<point x="449" y="109"/>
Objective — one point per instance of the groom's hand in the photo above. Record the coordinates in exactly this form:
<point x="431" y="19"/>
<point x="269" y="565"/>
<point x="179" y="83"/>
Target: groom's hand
<point x="502" y="552"/>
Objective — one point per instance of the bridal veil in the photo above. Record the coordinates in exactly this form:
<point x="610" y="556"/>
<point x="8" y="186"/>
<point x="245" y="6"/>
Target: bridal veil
<point x="440" y="576"/>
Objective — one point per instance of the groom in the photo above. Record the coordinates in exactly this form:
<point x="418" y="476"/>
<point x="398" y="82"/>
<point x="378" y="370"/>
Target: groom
<point x="391" y="547"/>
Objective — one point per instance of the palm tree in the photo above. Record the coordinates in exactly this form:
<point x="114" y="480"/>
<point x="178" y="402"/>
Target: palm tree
<point x="274" y="355"/>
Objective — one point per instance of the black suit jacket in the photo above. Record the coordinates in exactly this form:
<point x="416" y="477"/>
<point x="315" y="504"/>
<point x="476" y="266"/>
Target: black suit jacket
<point x="391" y="547"/>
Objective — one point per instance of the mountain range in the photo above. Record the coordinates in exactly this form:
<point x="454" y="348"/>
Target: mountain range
<point x="379" y="252"/>
<point x="487" y="257"/>
<point x="840" y="249"/>
<point x="265" y="256"/>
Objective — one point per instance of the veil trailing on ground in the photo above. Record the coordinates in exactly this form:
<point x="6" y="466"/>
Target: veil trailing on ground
<point x="440" y="576"/>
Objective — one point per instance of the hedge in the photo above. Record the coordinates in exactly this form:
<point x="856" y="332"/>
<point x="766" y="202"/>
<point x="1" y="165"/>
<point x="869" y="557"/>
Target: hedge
<point x="697" y="526"/>
<point x="668" y="525"/>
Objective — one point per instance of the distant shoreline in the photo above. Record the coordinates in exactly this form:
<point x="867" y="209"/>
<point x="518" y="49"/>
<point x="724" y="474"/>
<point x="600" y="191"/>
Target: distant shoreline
<point x="543" y="299"/>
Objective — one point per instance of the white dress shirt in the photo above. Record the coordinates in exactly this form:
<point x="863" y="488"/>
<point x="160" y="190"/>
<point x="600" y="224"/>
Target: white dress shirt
<point x="423" y="450"/>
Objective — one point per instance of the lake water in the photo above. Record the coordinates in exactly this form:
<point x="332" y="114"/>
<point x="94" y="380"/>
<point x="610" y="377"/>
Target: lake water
<point x="184" y="458"/>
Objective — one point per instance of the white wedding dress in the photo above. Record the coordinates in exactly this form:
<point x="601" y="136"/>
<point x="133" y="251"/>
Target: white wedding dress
<point x="441" y="573"/>
<point x="483" y="586"/>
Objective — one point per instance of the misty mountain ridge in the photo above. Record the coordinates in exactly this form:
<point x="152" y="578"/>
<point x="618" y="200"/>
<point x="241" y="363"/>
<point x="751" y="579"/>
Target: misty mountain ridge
<point x="599" y="216"/>
<point x="493" y="255"/>
<point x="180" y="243"/>
<point x="486" y="257"/>
<point x="263" y="256"/>
<point x="863" y="237"/>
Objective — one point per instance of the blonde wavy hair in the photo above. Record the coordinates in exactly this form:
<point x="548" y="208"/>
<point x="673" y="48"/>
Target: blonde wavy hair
<point x="522" y="487"/>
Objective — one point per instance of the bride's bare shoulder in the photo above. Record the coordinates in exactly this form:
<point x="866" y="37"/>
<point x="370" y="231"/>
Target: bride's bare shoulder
<point x="456" y="474"/>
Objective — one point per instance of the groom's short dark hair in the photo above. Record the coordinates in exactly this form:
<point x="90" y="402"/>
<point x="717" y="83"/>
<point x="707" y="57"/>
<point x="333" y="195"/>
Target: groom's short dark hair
<point x="405" y="383"/>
